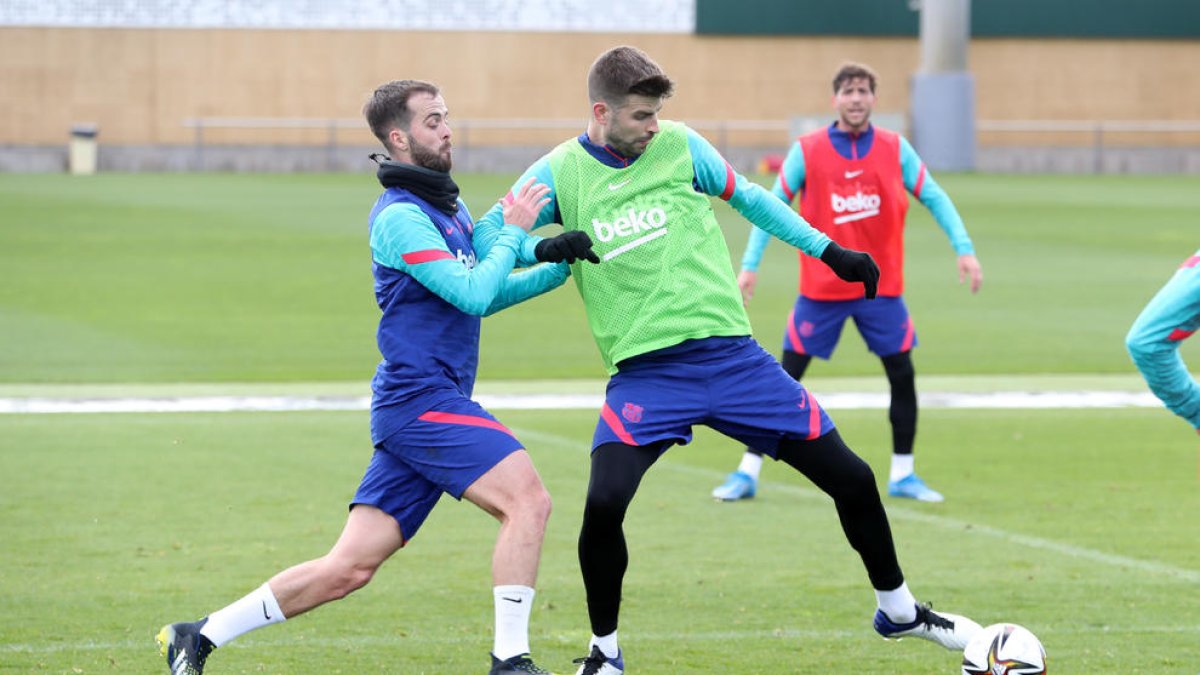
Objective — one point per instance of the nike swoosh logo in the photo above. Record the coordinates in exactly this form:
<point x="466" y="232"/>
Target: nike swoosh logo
<point x="618" y="186"/>
<point x="516" y="600"/>
<point x="266" y="615"/>
<point x="854" y="174"/>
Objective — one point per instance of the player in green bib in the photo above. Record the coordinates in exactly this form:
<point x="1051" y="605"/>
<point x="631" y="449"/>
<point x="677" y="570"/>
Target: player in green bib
<point x="667" y="315"/>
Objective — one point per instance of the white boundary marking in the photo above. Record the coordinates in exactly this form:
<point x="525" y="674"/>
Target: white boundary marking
<point x="829" y="401"/>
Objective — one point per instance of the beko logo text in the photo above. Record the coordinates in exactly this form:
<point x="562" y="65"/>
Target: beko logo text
<point x="855" y="202"/>
<point x="629" y="223"/>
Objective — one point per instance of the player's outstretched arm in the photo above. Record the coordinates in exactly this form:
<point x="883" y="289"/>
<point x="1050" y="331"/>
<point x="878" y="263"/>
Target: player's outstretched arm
<point x="487" y="227"/>
<point x="1172" y="315"/>
<point x="405" y="239"/>
<point x="525" y="284"/>
<point x="716" y="177"/>
<point x="922" y="185"/>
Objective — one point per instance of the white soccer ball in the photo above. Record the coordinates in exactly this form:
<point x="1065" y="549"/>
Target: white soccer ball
<point x="1004" y="649"/>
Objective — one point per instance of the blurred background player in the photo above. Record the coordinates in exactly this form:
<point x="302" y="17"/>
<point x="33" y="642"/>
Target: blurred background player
<point x="1172" y="315"/>
<point x="671" y="326"/>
<point x="851" y="177"/>
<point x="435" y="275"/>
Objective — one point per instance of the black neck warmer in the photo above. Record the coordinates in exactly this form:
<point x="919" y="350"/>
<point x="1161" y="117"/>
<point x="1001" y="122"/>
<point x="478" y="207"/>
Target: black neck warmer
<point x="435" y="187"/>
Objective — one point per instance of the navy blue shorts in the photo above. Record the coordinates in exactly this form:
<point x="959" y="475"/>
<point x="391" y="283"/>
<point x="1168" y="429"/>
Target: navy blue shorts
<point x="729" y="384"/>
<point x="444" y="450"/>
<point x="814" y="326"/>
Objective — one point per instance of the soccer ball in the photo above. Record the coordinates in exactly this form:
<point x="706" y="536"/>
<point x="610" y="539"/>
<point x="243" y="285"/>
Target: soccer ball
<point x="1004" y="649"/>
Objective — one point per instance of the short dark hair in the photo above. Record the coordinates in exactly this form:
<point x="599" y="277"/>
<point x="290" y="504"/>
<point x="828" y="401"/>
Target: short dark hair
<point x="853" y="71"/>
<point x="387" y="107"/>
<point x="622" y="71"/>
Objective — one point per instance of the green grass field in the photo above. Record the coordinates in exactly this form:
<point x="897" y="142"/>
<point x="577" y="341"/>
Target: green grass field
<point x="216" y="278"/>
<point x="1079" y="524"/>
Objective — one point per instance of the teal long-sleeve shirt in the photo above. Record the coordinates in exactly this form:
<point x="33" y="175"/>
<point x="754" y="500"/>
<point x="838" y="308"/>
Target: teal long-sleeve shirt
<point x="481" y="283"/>
<point x="1153" y="341"/>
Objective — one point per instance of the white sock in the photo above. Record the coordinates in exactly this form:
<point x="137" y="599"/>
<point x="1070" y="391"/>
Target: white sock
<point x="513" y="604"/>
<point x="607" y="644"/>
<point x="902" y="465"/>
<point x="256" y="610"/>
<point x="899" y="604"/>
<point x="751" y="465"/>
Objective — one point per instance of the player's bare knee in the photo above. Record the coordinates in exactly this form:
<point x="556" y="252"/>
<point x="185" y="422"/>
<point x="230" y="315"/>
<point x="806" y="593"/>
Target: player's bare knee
<point x="346" y="577"/>
<point x="542" y="505"/>
<point x="532" y="506"/>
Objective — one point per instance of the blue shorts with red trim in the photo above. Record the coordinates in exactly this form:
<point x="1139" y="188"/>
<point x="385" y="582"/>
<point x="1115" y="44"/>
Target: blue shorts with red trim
<point x="730" y="384"/>
<point x="814" y="326"/>
<point x="444" y="450"/>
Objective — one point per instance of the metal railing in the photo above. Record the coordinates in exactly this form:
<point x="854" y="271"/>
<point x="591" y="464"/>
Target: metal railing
<point x="717" y="131"/>
<point x="1097" y="130"/>
<point x="720" y="132"/>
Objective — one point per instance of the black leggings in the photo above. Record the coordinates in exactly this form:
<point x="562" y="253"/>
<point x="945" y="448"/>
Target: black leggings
<point x="902" y="412"/>
<point x="617" y="471"/>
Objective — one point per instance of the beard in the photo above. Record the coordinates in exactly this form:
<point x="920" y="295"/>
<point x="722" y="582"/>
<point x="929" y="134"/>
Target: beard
<point x="627" y="147"/>
<point x="429" y="158"/>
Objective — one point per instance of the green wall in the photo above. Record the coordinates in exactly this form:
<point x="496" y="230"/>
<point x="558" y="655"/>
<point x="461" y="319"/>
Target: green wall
<point x="1164" y="19"/>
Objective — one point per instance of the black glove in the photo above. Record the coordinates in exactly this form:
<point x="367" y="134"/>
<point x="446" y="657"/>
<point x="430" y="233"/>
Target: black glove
<point x="852" y="266"/>
<point x="566" y="247"/>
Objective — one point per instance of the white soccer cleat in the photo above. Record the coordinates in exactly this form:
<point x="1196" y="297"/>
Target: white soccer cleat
<point x="948" y="630"/>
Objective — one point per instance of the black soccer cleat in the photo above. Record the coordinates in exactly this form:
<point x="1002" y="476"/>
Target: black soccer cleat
<point x="184" y="647"/>
<point x="596" y="663"/>
<point x="520" y="663"/>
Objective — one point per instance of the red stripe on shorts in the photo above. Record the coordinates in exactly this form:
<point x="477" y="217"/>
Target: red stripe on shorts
<point x="610" y="418"/>
<point x="909" y="333"/>
<point x="792" y="335"/>
<point x="465" y="420"/>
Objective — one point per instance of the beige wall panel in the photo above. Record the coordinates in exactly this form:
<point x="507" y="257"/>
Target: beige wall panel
<point x="140" y="85"/>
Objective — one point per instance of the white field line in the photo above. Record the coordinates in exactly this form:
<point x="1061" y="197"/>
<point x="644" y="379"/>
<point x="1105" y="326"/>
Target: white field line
<point x="959" y="527"/>
<point x="565" y="401"/>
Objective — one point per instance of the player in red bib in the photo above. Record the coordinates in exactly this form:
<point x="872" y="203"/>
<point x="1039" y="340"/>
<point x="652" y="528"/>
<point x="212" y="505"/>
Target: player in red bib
<point x="852" y="179"/>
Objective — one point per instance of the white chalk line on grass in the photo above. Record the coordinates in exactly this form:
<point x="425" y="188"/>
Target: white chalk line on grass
<point x="256" y="642"/>
<point x="960" y="526"/>
<point x="567" y="401"/>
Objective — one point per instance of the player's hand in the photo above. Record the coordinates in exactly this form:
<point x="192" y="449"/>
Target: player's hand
<point x="567" y="247"/>
<point x="522" y="209"/>
<point x="968" y="268"/>
<point x="850" y="265"/>
<point x="746" y="281"/>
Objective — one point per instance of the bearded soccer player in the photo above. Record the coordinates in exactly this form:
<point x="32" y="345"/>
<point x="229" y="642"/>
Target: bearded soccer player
<point x="852" y="178"/>
<point x="667" y="315"/>
<point x="435" y="273"/>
